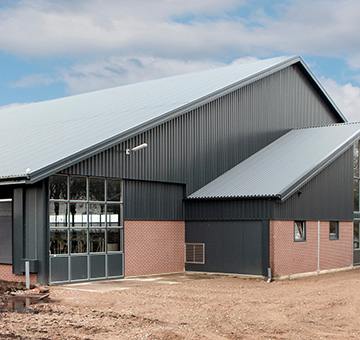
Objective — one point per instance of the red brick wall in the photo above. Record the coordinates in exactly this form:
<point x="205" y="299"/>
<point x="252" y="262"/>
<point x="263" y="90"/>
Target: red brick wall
<point x="336" y="253"/>
<point x="154" y="247"/>
<point x="6" y="274"/>
<point x="288" y="257"/>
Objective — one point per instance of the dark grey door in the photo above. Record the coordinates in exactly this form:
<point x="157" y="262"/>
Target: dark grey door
<point x="230" y="246"/>
<point x="6" y="231"/>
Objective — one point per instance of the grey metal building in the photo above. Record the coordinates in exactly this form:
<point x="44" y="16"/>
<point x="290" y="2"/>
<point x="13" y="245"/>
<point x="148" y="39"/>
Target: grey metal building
<point x="235" y="170"/>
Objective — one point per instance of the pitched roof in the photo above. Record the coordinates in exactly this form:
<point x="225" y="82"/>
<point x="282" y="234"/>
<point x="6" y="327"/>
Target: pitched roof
<point x="48" y="136"/>
<point x="283" y="166"/>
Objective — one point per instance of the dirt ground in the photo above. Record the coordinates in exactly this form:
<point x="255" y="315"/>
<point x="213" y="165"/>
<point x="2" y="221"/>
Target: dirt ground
<point x="195" y="307"/>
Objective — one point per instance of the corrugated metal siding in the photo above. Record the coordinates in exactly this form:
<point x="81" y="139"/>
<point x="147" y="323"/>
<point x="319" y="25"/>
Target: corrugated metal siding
<point x="328" y="196"/>
<point x="232" y="209"/>
<point x="200" y="145"/>
<point x="231" y="246"/>
<point x="313" y="147"/>
<point x="153" y="201"/>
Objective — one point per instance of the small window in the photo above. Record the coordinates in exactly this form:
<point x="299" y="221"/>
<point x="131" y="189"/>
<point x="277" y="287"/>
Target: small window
<point x="195" y="253"/>
<point x="78" y="188"/>
<point x="334" y="230"/>
<point x="113" y="190"/>
<point x="96" y="189"/>
<point x="299" y="231"/>
<point x="356" y="235"/>
<point x="58" y="187"/>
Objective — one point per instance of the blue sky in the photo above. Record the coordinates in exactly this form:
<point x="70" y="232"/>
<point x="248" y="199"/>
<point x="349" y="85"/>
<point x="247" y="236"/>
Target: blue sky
<point x="51" y="48"/>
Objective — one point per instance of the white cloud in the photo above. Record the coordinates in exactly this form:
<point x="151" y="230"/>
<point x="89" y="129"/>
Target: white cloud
<point x="347" y="97"/>
<point x="141" y="27"/>
<point x="116" y="71"/>
<point x="34" y="80"/>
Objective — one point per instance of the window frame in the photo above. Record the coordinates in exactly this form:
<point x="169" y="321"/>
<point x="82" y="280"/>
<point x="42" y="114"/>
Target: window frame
<point x="334" y="236"/>
<point x="303" y="239"/>
<point x="87" y="226"/>
<point x="194" y="245"/>
<point x="356" y="224"/>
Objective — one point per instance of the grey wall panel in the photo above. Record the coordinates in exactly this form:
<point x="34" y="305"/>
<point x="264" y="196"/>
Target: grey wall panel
<point x="200" y="145"/>
<point x="209" y="210"/>
<point x="328" y="196"/>
<point x="230" y="246"/>
<point x="79" y="267"/>
<point x="36" y="242"/>
<point x="6" y="232"/>
<point x="59" y="269"/>
<point x="153" y="201"/>
<point x="97" y="266"/>
<point x="18" y="230"/>
<point x="115" y="264"/>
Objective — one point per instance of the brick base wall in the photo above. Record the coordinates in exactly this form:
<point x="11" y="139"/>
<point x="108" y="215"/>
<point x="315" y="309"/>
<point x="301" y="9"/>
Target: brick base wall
<point x="288" y="257"/>
<point x="6" y="274"/>
<point x="153" y="247"/>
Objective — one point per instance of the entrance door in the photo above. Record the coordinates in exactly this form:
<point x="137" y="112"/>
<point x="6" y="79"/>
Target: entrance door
<point x="86" y="228"/>
<point x="356" y="243"/>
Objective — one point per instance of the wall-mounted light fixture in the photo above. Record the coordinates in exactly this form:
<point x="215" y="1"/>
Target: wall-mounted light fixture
<point x="136" y="148"/>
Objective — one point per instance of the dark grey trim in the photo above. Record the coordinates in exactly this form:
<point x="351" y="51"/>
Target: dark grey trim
<point x="265" y="237"/>
<point x="18" y="230"/>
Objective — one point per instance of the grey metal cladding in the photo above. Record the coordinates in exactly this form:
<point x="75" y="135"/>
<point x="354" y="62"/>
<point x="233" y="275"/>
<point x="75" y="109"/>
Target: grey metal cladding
<point x="229" y="209"/>
<point x="230" y="246"/>
<point x="89" y="123"/>
<point x="198" y="146"/>
<point x="284" y="165"/>
<point x="153" y="201"/>
<point x="329" y="195"/>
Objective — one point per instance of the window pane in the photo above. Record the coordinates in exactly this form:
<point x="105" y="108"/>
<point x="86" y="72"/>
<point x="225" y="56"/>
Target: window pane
<point x="356" y="235"/>
<point x="113" y="190"/>
<point x="58" y="187"/>
<point x="97" y="240"/>
<point x="356" y="159"/>
<point x="356" y="195"/>
<point x="78" y="188"/>
<point x="114" y="240"/>
<point x="58" y="214"/>
<point x="96" y="189"/>
<point x="299" y="231"/>
<point x="96" y="215"/>
<point x="58" y="242"/>
<point x="334" y="230"/>
<point x="114" y="215"/>
<point x="78" y="215"/>
<point x="78" y="239"/>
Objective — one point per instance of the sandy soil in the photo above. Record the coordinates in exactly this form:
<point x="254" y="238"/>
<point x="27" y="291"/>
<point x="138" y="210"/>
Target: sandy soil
<point x="196" y="307"/>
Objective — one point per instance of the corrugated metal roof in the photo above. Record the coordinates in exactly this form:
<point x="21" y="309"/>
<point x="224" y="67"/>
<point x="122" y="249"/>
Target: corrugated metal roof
<point x="47" y="136"/>
<point x="284" y="165"/>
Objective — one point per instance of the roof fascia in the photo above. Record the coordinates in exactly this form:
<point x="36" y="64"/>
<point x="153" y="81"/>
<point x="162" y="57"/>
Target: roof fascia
<point x="322" y="90"/>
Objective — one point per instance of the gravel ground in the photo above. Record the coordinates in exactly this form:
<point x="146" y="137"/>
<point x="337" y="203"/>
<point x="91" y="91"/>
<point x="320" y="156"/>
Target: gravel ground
<point x="196" y="307"/>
